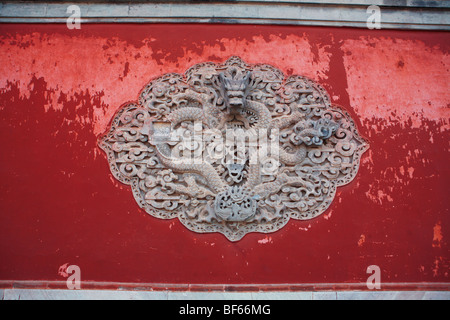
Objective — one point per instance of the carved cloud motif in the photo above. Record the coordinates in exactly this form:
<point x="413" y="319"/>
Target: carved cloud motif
<point x="171" y="146"/>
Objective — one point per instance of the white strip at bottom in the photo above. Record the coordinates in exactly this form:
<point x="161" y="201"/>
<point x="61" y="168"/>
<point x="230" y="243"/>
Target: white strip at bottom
<point x="57" y="294"/>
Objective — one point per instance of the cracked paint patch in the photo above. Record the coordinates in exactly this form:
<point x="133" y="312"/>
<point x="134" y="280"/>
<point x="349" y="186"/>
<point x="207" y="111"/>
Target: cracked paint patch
<point x="70" y="65"/>
<point x="373" y="75"/>
<point x="437" y="235"/>
<point x="361" y="240"/>
<point x="266" y="240"/>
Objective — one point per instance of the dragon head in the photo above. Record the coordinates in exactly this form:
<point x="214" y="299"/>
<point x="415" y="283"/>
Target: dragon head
<point x="234" y="87"/>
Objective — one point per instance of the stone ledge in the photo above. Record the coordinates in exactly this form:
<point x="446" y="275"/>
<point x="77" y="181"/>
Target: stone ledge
<point x="344" y="13"/>
<point x="58" y="294"/>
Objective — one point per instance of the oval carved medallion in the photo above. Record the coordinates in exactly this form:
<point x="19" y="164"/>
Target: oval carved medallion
<point x="233" y="148"/>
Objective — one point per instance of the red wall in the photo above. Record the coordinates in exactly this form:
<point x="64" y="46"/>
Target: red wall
<point x="59" y="204"/>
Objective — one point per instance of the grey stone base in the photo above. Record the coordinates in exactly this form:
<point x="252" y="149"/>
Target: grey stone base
<point x="53" y="294"/>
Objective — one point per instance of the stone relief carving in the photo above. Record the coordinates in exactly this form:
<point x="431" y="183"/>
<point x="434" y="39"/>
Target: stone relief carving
<point x="176" y="147"/>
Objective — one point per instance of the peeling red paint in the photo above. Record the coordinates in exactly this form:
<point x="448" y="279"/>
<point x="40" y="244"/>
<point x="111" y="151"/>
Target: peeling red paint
<point x="421" y="81"/>
<point x="437" y="266"/>
<point x="58" y="201"/>
<point x="69" y="63"/>
<point x="265" y="240"/>
<point x="361" y="240"/>
<point x="62" y="271"/>
<point x="437" y="235"/>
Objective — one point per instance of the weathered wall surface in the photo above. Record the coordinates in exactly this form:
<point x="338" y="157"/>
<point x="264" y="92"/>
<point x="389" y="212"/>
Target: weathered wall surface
<point x="59" y="204"/>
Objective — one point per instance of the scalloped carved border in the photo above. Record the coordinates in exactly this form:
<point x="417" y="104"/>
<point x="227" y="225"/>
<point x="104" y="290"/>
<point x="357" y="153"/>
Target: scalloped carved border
<point x="135" y="161"/>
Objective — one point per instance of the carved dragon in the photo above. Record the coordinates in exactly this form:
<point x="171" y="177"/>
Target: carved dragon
<point x="317" y="148"/>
